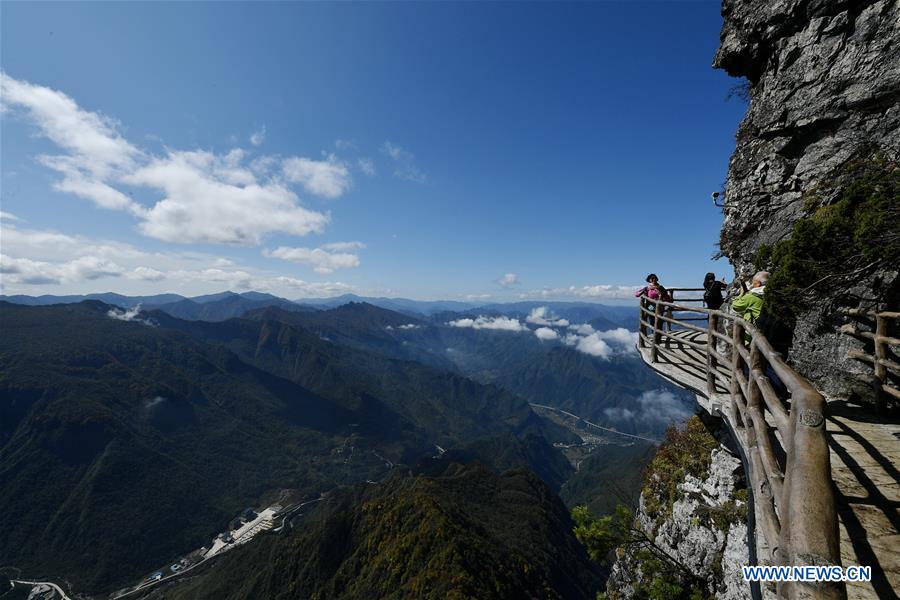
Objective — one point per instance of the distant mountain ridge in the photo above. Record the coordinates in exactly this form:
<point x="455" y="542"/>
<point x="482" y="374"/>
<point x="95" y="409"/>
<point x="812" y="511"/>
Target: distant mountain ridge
<point x="577" y="311"/>
<point x="107" y="297"/>
<point x="219" y="307"/>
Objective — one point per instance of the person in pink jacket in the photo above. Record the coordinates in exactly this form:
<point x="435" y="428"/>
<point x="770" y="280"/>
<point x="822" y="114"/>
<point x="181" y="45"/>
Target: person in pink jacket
<point x="655" y="291"/>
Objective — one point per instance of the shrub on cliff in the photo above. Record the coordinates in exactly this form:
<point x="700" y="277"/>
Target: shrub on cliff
<point x="659" y="574"/>
<point x="662" y="576"/>
<point x="839" y="243"/>
<point x="683" y="452"/>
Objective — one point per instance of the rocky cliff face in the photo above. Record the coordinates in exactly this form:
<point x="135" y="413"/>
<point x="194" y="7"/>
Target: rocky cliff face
<point x="706" y="532"/>
<point x="824" y="86"/>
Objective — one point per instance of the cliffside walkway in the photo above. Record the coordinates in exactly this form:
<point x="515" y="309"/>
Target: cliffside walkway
<point x="824" y="478"/>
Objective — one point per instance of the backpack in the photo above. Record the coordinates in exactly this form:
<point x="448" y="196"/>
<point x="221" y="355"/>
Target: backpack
<point x="713" y="296"/>
<point x="778" y="334"/>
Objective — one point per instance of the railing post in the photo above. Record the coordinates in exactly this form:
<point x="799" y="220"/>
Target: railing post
<point x="880" y="369"/>
<point x="711" y="362"/>
<point x="809" y="526"/>
<point x="642" y="329"/>
<point x="656" y="334"/>
<point x="754" y="369"/>
<point x="671" y="314"/>
<point x="737" y="337"/>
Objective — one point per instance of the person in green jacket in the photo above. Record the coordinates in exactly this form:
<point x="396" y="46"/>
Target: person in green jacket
<point x="749" y="304"/>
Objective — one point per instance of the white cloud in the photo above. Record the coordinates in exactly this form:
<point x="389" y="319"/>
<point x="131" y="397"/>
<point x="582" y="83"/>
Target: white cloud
<point x="541" y="315"/>
<point x="322" y="260"/>
<point x="207" y="197"/>
<point x="307" y="289"/>
<point x="154" y="401"/>
<point x="621" y="336"/>
<point x="593" y="345"/>
<point x="265" y="166"/>
<point x="32" y="272"/>
<point x="131" y="314"/>
<point x="404" y="163"/>
<point x="26" y="271"/>
<point x="367" y="166"/>
<point x="602" y="344"/>
<point x="537" y="316"/>
<point x="343" y="246"/>
<point x="232" y="280"/>
<point x="344" y="144"/>
<point x="5" y="216"/>
<point x="582" y="329"/>
<point x="58" y="247"/>
<point x="654" y="408"/>
<point x="75" y="263"/>
<point x="619" y="414"/>
<point x="96" y="150"/>
<point x="212" y="198"/>
<point x="328" y="178"/>
<point x="545" y="333"/>
<point x="146" y="274"/>
<point x="259" y="136"/>
<point x="84" y="185"/>
<point x="663" y="406"/>
<point x="507" y="280"/>
<point x="479" y="296"/>
<point x="499" y="323"/>
<point x="588" y="291"/>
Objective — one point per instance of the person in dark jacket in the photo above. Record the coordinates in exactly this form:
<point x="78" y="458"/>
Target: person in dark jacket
<point x="713" y="289"/>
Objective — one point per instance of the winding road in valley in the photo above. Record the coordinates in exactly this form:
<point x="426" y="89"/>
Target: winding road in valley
<point x="568" y="414"/>
<point x="58" y="589"/>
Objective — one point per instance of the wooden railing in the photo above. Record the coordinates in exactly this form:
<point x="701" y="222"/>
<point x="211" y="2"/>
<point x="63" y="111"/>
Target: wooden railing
<point x="782" y="432"/>
<point x="881" y="358"/>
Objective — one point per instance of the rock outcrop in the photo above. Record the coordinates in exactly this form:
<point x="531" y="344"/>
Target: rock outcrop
<point x="706" y="532"/>
<point x="824" y="85"/>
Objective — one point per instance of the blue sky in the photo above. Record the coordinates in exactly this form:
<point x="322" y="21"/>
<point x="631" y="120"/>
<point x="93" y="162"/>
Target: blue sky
<point x="427" y="150"/>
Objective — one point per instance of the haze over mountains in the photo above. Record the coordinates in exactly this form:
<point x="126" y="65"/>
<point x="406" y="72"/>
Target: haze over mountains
<point x="136" y="433"/>
<point x="402" y="305"/>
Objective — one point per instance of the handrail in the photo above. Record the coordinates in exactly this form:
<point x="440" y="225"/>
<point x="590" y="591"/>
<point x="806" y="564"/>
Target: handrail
<point x="881" y="363"/>
<point x="797" y="506"/>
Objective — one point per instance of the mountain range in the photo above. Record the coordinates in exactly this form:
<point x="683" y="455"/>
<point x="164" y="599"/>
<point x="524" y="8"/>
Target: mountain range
<point x="233" y="302"/>
<point x="129" y="436"/>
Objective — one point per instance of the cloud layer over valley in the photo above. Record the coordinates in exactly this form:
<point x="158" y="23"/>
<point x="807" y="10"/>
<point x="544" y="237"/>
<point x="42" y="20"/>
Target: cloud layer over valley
<point x="548" y="328"/>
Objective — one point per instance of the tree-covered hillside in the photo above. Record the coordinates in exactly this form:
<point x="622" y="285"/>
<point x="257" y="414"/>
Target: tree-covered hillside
<point x="457" y="532"/>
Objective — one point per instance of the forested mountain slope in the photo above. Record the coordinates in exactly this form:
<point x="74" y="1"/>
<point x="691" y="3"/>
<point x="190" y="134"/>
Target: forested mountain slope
<point x="448" y="531"/>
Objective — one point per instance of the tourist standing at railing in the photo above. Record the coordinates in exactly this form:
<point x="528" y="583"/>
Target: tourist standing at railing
<point x="713" y="298"/>
<point x="712" y="294"/>
<point x="655" y="291"/>
<point x="749" y="305"/>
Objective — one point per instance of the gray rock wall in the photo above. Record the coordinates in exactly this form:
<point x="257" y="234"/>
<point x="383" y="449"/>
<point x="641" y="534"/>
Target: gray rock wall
<point x="714" y="553"/>
<point x="824" y="83"/>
